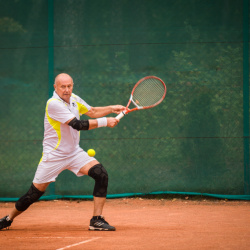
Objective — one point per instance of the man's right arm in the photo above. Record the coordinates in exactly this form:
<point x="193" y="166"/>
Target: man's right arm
<point x="92" y="123"/>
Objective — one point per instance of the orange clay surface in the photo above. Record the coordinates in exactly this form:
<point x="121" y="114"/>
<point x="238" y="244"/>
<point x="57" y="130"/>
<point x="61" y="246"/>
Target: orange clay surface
<point x="140" y="223"/>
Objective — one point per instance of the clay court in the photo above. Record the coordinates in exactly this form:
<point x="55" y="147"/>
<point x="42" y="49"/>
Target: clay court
<point x="141" y="224"/>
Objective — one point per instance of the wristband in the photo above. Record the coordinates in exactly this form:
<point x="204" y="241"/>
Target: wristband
<point x="102" y="122"/>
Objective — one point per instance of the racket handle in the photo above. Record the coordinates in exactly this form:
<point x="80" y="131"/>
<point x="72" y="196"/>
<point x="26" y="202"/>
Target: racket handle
<point x="120" y="115"/>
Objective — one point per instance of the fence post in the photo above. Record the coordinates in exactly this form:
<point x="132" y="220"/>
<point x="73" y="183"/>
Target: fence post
<point x="51" y="62"/>
<point x="246" y="95"/>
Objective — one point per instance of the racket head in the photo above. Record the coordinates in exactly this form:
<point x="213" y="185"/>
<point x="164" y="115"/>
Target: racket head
<point x="147" y="93"/>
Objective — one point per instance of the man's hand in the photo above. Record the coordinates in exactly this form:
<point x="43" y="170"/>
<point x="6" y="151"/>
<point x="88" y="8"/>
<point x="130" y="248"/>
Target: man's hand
<point x="117" y="109"/>
<point x="96" y="112"/>
<point x="112" y="122"/>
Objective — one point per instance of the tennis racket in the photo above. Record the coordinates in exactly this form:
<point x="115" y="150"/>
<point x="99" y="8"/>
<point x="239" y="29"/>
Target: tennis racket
<point x="147" y="93"/>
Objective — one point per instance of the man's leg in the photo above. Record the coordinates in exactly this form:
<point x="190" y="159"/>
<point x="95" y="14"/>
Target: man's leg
<point x="39" y="192"/>
<point x="98" y="201"/>
<point x="98" y="205"/>
<point x="33" y="194"/>
<point x="95" y="170"/>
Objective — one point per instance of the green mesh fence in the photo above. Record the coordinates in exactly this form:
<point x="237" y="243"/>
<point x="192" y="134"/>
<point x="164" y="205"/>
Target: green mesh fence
<point x="195" y="142"/>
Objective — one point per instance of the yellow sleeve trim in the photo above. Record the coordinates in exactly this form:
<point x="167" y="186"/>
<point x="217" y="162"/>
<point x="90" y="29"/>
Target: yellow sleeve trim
<point x="82" y="109"/>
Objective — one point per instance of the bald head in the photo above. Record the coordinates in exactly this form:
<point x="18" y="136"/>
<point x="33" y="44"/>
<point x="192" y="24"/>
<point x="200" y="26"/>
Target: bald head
<point x="64" y="86"/>
<point x="63" y="77"/>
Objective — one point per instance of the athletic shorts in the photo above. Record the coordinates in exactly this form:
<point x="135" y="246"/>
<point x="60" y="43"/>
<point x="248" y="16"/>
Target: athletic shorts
<point x="51" y="165"/>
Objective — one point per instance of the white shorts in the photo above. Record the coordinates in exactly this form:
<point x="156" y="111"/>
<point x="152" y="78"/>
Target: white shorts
<point x="51" y="166"/>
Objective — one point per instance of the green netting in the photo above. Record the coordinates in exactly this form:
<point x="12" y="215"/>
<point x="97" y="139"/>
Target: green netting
<point x="196" y="141"/>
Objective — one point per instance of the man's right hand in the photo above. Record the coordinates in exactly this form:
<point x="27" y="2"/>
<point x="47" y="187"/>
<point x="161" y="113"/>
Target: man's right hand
<point x="112" y="122"/>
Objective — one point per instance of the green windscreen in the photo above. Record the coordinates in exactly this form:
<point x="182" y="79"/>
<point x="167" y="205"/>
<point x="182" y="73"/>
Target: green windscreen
<point x="195" y="141"/>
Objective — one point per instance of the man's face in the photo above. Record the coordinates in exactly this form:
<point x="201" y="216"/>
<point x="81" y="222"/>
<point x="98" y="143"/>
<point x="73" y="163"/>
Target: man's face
<point x="64" y="87"/>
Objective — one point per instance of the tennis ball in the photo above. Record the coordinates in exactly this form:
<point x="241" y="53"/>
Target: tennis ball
<point x="91" y="152"/>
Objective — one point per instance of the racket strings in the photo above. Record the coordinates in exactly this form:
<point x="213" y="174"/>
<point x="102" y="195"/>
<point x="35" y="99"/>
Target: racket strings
<point x="148" y="92"/>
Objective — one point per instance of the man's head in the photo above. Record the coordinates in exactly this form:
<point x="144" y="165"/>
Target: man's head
<point x="64" y="86"/>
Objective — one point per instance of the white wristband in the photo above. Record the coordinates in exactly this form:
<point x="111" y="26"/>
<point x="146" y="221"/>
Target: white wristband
<point x="102" y="122"/>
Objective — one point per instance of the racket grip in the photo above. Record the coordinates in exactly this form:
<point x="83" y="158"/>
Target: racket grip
<point x="120" y="115"/>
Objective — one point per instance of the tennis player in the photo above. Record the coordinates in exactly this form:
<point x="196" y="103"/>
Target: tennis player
<point x="61" y="149"/>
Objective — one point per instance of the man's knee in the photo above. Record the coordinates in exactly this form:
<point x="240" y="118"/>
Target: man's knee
<point x="100" y="175"/>
<point x="29" y="198"/>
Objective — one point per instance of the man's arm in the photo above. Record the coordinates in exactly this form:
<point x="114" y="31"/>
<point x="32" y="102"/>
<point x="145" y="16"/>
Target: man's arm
<point x="96" y="112"/>
<point x="91" y="123"/>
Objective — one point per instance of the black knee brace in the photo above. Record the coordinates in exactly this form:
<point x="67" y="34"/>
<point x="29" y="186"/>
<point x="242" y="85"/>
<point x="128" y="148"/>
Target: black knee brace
<point x="100" y="175"/>
<point x="29" y="198"/>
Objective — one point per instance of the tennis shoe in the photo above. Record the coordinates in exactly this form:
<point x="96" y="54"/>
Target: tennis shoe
<point x="5" y="222"/>
<point x="98" y="223"/>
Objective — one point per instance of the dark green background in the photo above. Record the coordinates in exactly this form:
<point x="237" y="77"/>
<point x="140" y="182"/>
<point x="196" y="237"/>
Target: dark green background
<point x="197" y="140"/>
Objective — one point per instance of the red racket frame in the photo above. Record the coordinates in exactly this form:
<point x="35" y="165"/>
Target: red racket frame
<point x="146" y="107"/>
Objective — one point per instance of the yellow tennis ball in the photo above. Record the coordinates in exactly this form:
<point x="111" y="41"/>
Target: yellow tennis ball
<point x="91" y="152"/>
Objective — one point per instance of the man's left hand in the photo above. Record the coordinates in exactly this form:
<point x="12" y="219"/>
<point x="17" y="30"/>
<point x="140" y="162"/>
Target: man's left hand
<point x="117" y="109"/>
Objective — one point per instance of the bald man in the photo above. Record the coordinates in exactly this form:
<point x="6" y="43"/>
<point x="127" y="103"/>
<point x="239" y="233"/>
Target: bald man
<point x="61" y="149"/>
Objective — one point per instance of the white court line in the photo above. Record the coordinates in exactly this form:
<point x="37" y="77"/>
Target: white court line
<point x="47" y="237"/>
<point x="79" y="243"/>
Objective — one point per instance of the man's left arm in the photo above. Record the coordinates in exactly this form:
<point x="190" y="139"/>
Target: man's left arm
<point x="96" y="112"/>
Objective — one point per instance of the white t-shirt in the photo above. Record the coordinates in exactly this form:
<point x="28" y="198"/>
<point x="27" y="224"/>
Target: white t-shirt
<point x="60" y="138"/>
